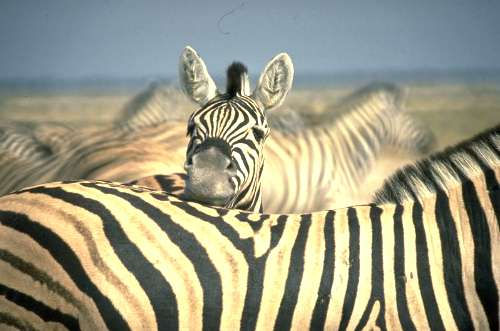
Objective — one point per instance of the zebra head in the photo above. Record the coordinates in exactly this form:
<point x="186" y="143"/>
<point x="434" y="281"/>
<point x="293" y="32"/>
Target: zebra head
<point x="224" y="158"/>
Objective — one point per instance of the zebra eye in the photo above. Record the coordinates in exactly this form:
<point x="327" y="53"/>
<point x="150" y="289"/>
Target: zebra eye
<point x="258" y="133"/>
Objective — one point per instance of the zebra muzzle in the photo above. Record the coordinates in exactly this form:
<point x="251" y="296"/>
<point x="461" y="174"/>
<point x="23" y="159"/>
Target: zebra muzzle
<point x="210" y="174"/>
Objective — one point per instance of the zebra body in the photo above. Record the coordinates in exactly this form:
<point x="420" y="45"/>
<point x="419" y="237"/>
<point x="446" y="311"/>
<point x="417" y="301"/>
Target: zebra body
<point x="103" y="255"/>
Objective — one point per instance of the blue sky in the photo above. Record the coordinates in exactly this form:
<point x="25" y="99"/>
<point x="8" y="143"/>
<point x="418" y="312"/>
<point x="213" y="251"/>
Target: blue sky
<point x="122" y="38"/>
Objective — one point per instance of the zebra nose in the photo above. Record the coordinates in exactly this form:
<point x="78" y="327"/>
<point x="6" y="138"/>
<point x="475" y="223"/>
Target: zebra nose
<point x="210" y="175"/>
<point x="211" y="159"/>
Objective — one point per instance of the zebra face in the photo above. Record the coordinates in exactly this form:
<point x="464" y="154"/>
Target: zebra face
<point x="225" y="153"/>
<point x="224" y="158"/>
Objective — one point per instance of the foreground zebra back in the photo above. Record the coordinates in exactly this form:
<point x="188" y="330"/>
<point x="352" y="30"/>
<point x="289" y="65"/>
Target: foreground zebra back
<point x="98" y="255"/>
<point x="173" y="184"/>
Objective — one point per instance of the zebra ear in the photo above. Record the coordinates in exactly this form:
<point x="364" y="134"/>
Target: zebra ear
<point x="274" y="82"/>
<point x="194" y="78"/>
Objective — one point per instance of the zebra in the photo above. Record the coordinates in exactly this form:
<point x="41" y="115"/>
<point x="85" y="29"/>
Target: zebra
<point x="100" y="255"/>
<point x="224" y="156"/>
<point x="306" y="169"/>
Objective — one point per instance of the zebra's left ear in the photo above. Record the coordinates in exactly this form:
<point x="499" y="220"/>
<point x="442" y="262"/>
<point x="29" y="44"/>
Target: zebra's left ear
<point x="194" y="77"/>
<point x="274" y="82"/>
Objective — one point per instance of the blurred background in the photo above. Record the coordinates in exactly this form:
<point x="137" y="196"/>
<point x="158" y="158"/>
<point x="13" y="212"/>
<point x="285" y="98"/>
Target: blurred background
<point x="82" y="62"/>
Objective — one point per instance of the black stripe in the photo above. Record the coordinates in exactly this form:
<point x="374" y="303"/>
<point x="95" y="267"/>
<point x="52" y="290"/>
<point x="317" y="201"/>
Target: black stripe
<point x="256" y="272"/>
<point x="353" y="277"/>
<point x="242" y="112"/>
<point x="153" y="283"/>
<point x="244" y="245"/>
<point x="10" y="320"/>
<point x="43" y="311"/>
<point x="399" y="271"/>
<point x="423" y="271"/>
<point x="489" y="173"/>
<point x="243" y="159"/>
<point x="210" y="281"/>
<point x="483" y="268"/>
<point x="325" y="287"/>
<point x="377" y="281"/>
<point x="255" y="225"/>
<point x="452" y="263"/>
<point x="495" y="201"/>
<point x="165" y="183"/>
<point x="68" y="260"/>
<point x="294" y="278"/>
<point x="39" y="276"/>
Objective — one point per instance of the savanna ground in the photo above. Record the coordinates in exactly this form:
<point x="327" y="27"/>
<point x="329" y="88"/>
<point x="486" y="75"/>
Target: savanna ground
<point x="453" y="112"/>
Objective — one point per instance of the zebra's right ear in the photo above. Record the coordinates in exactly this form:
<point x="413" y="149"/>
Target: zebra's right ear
<point x="274" y="82"/>
<point x="194" y="78"/>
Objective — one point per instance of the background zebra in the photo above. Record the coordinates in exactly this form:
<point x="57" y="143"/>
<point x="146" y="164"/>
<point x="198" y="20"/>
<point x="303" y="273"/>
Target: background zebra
<point x="111" y="256"/>
<point x="29" y="142"/>
<point x="307" y="168"/>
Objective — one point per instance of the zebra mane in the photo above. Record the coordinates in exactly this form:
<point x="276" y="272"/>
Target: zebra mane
<point x="389" y="93"/>
<point x="155" y="105"/>
<point x="444" y="170"/>
<point x="237" y="79"/>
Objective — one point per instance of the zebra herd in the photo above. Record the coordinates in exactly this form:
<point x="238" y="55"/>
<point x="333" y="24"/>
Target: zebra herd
<point x="91" y="254"/>
<point x="312" y="168"/>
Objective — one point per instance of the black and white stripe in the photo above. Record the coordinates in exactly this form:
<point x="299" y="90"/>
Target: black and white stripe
<point x="103" y="255"/>
<point x="224" y="157"/>
<point x="227" y="120"/>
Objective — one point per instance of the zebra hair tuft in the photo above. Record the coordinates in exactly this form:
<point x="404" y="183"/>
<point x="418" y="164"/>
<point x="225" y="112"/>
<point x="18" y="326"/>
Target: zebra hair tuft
<point x="237" y="78"/>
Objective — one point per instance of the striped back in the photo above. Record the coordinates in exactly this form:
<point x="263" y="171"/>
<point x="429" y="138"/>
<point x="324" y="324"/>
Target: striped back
<point x="95" y="255"/>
